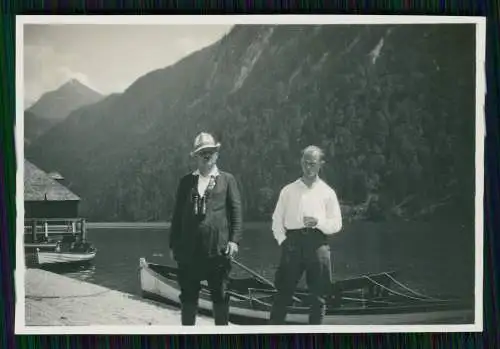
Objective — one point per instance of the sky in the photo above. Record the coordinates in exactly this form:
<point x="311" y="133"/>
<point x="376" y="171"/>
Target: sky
<point x="107" y="58"/>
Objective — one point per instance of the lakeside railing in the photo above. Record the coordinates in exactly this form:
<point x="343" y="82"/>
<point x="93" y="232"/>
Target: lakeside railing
<point x="36" y="227"/>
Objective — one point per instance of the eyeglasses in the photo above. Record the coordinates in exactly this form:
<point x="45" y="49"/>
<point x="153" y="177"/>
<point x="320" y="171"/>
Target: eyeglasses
<point x="311" y="163"/>
<point x="205" y="154"/>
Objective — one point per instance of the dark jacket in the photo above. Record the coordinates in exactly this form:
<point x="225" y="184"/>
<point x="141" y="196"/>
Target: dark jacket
<point x="193" y="233"/>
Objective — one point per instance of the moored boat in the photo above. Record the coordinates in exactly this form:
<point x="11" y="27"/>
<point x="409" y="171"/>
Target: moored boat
<point x="43" y="258"/>
<point x="56" y="241"/>
<point x="377" y="299"/>
<point x="54" y="232"/>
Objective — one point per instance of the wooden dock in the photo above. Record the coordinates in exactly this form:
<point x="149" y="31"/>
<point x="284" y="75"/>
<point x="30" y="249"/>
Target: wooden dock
<point x="57" y="300"/>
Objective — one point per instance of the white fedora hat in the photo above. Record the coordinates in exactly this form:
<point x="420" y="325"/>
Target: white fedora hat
<point x="203" y="141"/>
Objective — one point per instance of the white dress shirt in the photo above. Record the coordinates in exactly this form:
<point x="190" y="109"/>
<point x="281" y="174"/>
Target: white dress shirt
<point x="297" y="200"/>
<point x="204" y="180"/>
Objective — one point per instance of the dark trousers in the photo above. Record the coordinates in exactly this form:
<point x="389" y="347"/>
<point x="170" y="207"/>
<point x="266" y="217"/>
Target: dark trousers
<point x="215" y="271"/>
<point x="303" y="251"/>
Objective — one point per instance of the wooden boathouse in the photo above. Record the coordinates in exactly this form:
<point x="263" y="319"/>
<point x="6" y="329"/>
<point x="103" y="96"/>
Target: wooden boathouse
<point x="45" y="197"/>
<point x="49" y="206"/>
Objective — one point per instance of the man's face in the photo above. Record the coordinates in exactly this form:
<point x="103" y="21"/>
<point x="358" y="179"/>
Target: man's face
<point x="206" y="158"/>
<point x="311" y="164"/>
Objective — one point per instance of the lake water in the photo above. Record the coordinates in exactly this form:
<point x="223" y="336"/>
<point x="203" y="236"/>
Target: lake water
<point x="434" y="258"/>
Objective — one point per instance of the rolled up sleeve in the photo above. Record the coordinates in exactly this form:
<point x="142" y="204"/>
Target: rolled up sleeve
<point x="332" y="222"/>
<point x="278" y="226"/>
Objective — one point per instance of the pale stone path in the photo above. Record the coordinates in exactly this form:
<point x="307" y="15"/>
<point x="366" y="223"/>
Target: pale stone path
<point x="56" y="300"/>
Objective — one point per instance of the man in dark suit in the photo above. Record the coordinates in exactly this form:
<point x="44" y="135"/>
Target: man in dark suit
<point x="205" y="231"/>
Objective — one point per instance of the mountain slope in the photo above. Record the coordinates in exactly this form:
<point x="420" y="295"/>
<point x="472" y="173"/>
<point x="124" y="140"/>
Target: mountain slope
<point x="392" y="106"/>
<point x="56" y="105"/>
<point x="35" y="126"/>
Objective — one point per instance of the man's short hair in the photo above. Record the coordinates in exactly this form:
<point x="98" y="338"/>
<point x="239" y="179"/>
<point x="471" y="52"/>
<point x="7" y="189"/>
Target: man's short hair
<point x="312" y="149"/>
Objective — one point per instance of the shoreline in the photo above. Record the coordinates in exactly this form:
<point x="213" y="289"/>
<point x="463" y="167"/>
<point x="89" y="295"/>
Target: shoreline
<point x="56" y="300"/>
<point x="128" y="225"/>
<point x="153" y="225"/>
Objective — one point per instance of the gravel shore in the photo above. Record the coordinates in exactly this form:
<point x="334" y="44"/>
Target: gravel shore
<point x="56" y="300"/>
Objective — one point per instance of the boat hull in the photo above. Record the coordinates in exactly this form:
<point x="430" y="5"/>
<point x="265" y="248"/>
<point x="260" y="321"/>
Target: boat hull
<point x="49" y="258"/>
<point x="246" y="312"/>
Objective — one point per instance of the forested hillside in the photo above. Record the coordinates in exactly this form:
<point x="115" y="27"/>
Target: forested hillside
<point x="393" y="107"/>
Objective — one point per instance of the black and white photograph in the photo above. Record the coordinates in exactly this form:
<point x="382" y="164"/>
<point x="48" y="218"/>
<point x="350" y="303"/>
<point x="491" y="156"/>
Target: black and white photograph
<point x="249" y="174"/>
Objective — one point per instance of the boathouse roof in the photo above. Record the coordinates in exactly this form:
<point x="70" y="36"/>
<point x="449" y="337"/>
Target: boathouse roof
<point x="39" y="186"/>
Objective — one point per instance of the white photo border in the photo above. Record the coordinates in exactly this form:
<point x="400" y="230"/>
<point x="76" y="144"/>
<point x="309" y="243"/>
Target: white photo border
<point x="19" y="273"/>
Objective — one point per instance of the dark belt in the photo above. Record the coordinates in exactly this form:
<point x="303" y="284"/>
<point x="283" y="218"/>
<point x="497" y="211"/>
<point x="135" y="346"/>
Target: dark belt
<point x="303" y="231"/>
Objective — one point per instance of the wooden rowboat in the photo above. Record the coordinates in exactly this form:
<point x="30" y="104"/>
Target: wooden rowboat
<point x="56" y="241"/>
<point x="45" y="258"/>
<point x="366" y="300"/>
<point x="44" y="254"/>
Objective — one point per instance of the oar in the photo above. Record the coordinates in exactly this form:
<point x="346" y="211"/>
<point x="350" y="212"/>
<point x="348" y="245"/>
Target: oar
<point x="261" y="278"/>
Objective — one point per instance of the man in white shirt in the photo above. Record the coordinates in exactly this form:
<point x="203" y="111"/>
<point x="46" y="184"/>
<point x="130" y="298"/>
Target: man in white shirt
<point x="307" y="212"/>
